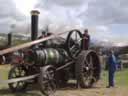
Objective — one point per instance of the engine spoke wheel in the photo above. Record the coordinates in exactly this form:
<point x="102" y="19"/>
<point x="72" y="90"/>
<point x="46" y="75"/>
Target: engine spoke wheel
<point x="17" y="72"/>
<point x="74" y="43"/>
<point x="47" y="81"/>
<point x="87" y="68"/>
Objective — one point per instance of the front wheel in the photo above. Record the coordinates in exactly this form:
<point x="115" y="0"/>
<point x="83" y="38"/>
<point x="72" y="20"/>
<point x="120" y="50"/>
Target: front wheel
<point x="47" y="81"/>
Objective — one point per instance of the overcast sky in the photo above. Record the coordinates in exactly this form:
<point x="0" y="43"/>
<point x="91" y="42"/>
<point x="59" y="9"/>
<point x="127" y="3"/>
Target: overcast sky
<point x="107" y="20"/>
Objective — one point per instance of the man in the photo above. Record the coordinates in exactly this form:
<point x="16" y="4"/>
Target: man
<point x="111" y="68"/>
<point x="86" y="40"/>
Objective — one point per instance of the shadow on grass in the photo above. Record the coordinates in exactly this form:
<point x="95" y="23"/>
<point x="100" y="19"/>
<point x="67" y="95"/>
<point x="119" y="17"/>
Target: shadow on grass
<point x="34" y="91"/>
<point x="68" y="87"/>
<point x="73" y="87"/>
<point x="28" y="92"/>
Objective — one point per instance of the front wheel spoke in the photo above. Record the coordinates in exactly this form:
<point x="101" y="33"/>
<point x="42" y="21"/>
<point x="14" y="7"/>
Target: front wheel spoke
<point x="20" y="70"/>
<point x="17" y="86"/>
<point x="14" y="84"/>
<point x="16" y="72"/>
<point x="21" y="83"/>
<point x="14" y="75"/>
<point x="23" y="73"/>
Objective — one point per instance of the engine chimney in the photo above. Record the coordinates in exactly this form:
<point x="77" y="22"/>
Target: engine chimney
<point x="34" y="24"/>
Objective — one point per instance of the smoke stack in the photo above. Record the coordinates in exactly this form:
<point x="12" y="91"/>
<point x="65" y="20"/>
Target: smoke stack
<point x="34" y="24"/>
<point x="9" y="39"/>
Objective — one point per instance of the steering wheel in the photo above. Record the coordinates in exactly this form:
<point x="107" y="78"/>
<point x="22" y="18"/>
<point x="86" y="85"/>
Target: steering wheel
<point x="74" y="43"/>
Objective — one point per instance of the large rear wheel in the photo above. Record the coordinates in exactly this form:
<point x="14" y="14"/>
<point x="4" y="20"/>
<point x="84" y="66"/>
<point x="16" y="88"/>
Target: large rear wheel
<point x="87" y="68"/>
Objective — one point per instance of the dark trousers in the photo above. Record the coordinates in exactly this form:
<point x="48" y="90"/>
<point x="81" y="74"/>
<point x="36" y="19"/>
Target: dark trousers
<point x="111" y="78"/>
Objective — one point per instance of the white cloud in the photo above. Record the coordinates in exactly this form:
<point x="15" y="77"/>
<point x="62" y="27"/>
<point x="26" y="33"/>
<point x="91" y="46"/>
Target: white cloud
<point x="108" y="12"/>
<point x="8" y="15"/>
<point x="65" y="3"/>
<point x="62" y="15"/>
<point x="65" y="12"/>
<point x="25" y="6"/>
<point x="101" y="32"/>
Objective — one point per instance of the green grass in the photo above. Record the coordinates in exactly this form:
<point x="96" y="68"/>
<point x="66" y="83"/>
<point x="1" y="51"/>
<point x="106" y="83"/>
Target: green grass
<point x="121" y="77"/>
<point x="121" y="82"/>
<point x="4" y="71"/>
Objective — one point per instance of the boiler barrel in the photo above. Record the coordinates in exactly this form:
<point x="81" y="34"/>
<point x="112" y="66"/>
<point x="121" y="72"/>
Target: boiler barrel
<point x="49" y="56"/>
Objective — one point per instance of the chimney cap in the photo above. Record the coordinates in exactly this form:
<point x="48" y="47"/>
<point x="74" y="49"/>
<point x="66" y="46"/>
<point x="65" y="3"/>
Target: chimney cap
<point x="35" y="12"/>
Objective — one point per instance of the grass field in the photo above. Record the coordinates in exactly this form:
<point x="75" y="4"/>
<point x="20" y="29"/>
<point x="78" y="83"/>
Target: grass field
<point x="121" y="88"/>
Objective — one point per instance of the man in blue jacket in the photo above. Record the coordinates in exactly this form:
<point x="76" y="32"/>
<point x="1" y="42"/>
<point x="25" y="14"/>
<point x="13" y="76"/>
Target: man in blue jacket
<point x="111" y="68"/>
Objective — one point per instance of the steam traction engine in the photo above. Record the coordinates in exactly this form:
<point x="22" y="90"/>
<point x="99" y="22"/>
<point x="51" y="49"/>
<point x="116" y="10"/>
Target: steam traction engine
<point x="54" y="62"/>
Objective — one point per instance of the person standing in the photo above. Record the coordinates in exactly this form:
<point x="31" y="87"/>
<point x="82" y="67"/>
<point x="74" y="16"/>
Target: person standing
<point x="111" y="64"/>
<point x="86" y="39"/>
